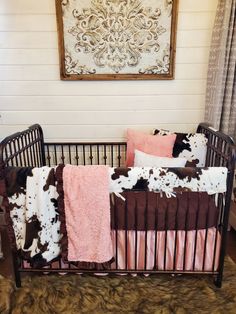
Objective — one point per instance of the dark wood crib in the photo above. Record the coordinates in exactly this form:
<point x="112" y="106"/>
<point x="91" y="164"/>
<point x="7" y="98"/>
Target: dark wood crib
<point x="27" y="148"/>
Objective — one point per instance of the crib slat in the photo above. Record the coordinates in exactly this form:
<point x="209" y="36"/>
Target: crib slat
<point x="216" y="233"/>
<point x="105" y="155"/>
<point x="84" y="158"/>
<point x="186" y="233"/>
<point x="206" y="234"/>
<point x="145" y="222"/>
<point x="98" y="154"/>
<point x="196" y="234"/>
<point x="36" y="148"/>
<point x="48" y="156"/>
<point x="30" y="149"/>
<point x="119" y="156"/>
<point x="136" y="234"/>
<point x="55" y="153"/>
<point x="26" y="162"/>
<point x="176" y="234"/>
<point x="126" y="234"/>
<point x="31" y="140"/>
<point x="19" y="148"/>
<point x="69" y="148"/>
<point x="155" y="240"/>
<point x="112" y="155"/>
<point x="91" y="154"/>
<point x="116" y="231"/>
<point x="27" y="151"/>
<point x="14" y="145"/>
<point x="62" y="154"/>
<point x="165" y="246"/>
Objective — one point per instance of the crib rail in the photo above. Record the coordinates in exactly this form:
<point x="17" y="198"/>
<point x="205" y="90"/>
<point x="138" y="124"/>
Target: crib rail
<point x="24" y="148"/>
<point x="27" y="148"/>
<point x="221" y="151"/>
<point x="112" y="154"/>
<point x="220" y="147"/>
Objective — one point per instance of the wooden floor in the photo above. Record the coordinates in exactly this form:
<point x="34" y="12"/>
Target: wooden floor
<point x="6" y="268"/>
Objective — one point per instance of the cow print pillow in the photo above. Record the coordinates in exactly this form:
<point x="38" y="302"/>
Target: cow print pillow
<point x="192" y="146"/>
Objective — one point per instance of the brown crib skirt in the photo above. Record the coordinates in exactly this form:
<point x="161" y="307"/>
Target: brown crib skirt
<point x="152" y="211"/>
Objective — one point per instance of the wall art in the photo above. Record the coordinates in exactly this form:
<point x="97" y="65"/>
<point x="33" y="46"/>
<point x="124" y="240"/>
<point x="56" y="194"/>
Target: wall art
<point x="116" y="39"/>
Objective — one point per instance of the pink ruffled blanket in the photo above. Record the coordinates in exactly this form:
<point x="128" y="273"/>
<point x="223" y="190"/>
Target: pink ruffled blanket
<point x="87" y="212"/>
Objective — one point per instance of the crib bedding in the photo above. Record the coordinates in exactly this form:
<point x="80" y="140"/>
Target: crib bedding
<point x="33" y="220"/>
<point x="192" y="146"/>
<point x="181" y="259"/>
<point x="182" y="211"/>
<point x="194" y="243"/>
<point x="87" y="214"/>
<point x="211" y="180"/>
<point x="40" y="248"/>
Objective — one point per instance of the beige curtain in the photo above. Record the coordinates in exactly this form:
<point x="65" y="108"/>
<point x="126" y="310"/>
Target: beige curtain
<point x="221" y="81"/>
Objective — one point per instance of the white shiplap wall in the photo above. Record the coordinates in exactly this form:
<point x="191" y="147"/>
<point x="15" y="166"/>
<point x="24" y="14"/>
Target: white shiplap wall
<point x="31" y="91"/>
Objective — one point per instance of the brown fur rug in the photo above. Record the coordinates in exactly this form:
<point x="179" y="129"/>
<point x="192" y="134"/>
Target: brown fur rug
<point x="74" y="294"/>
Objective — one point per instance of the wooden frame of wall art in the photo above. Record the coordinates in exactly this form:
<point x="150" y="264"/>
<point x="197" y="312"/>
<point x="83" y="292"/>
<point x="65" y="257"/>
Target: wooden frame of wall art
<point x="117" y="39"/>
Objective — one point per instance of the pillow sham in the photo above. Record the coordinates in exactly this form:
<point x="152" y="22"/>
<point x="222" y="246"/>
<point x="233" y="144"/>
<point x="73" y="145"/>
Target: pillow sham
<point x="192" y="146"/>
<point x="142" y="159"/>
<point x="154" y="145"/>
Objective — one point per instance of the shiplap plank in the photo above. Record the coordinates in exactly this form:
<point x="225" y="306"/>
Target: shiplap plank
<point x="93" y="133"/>
<point x="107" y="103"/>
<point x="48" y="6"/>
<point x="192" y="55"/>
<point x="29" y="72"/>
<point x="194" y="38"/>
<point x="51" y="56"/>
<point x="39" y="40"/>
<point x="51" y="72"/>
<point x="27" y="7"/>
<point x="197" y="5"/>
<point x="28" y="40"/>
<point x="26" y="23"/>
<point x="191" y="71"/>
<point x="195" y="20"/>
<point x="29" y="56"/>
<point x="101" y="118"/>
<point x="47" y="23"/>
<point x="112" y="88"/>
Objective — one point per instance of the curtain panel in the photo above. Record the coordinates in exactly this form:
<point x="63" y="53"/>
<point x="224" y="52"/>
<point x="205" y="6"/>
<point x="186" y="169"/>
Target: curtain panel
<point x="221" y="82"/>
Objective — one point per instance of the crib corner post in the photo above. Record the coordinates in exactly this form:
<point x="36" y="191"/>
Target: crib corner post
<point x="218" y="280"/>
<point x="17" y="275"/>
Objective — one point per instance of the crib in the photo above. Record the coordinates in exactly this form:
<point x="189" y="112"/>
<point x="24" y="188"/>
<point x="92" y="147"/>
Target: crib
<point x="200" y="251"/>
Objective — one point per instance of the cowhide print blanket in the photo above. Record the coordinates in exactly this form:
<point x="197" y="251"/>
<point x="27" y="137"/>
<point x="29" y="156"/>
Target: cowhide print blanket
<point x="32" y="213"/>
<point x="211" y="180"/>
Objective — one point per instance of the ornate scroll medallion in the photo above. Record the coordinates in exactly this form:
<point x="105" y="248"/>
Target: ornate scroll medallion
<point x="116" y="39"/>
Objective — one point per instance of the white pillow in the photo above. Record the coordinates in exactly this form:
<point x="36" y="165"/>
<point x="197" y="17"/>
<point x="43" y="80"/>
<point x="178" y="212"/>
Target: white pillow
<point x="145" y="160"/>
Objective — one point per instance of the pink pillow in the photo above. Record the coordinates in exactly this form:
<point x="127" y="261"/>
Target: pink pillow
<point x="161" y="146"/>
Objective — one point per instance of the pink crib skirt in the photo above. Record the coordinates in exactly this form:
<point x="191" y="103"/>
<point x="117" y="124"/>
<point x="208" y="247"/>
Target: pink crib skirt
<point x="193" y="245"/>
<point x="173" y="259"/>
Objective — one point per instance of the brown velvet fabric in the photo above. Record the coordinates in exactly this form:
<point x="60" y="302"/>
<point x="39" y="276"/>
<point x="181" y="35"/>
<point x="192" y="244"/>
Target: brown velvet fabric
<point x="153" y="211"/>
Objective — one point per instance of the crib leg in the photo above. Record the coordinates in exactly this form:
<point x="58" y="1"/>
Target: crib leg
<point x="218" y="280"/>
<point x="16" y="270"/>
